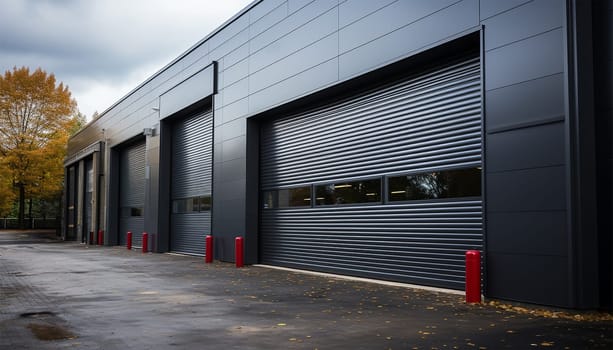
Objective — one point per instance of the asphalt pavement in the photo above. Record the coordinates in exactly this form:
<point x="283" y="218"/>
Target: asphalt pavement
<point x="66" y="295"/>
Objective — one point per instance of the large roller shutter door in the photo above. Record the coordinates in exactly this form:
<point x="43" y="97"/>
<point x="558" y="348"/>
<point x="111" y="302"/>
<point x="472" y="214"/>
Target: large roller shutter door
<point x="132" y="193"/>
<point x="423" y="128"/>
<point x="192" y="162"/>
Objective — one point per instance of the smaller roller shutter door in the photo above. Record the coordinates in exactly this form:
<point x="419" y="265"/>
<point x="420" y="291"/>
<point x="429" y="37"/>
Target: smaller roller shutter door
<point x="71" y="205"/>
<point x="192" y="159"/>
<point x="132" y="193"/>
<point x="87" y="199"/>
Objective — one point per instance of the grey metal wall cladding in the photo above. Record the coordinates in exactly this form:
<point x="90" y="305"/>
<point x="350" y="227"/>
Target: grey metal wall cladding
<point x="192" y="168"/>
<point x="428" y="122"/>
<point x="132" y="193"/>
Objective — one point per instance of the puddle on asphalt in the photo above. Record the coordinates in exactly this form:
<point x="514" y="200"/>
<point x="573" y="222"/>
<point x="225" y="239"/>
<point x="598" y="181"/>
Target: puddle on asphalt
<point x="36" y="314"/>
<point x="50" y="332"/>
<point x="45" y="328"/>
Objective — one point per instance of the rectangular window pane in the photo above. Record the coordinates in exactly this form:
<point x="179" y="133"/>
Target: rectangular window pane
<point x="270" y="199"/>
<point x="365" y="191"/>
<point x="205" y="203"/>
<point x="288" y="197"/>
<point x="195" y="202"/>
<point x="189" y="205"/>
<point x="436" y="185"/>
<point x="294" y="197"/>
<point x="131" y="211"/>
<point x="179" y="206"/>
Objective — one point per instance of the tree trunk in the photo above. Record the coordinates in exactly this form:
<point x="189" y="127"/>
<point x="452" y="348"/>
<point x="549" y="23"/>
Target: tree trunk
<point x="30" y="221"/>
<point x="22" y="207"/>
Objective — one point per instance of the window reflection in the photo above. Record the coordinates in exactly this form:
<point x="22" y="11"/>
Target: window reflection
<point x="364" y="191"/>
<point x="131" y="211"/>
<point x="289" y="197"/>
<point x="191" y="205"/>
<point x="435" y="185"/>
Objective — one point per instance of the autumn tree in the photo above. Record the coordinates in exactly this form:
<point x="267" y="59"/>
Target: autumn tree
<point x="7" y="195"/>
<point x="37" y="116"/>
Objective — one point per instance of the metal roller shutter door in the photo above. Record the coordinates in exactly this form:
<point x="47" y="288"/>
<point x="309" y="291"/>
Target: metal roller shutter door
<point x="132" y="193"/>
<point x="192" y="162"/>
<point x="87" y="200"/>
<point x="424" y="123"/>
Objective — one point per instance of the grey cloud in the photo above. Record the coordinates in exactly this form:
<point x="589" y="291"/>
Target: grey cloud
<point x="103" y="41"/>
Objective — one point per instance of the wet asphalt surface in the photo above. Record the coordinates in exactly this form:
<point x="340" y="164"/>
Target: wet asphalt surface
<point x="64" y="295"/>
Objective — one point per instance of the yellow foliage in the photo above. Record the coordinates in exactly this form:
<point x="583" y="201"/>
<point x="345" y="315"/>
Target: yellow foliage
<point x="36" y="118"/>
<point x="7" y="195"/>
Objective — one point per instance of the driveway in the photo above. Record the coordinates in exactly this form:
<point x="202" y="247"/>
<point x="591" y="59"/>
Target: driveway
<point x="56" y="295"/>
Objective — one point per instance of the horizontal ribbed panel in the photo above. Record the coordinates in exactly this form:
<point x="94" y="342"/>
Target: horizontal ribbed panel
<point x="132" y="176"/>
<point x="427" y="122"/>
<point x="424" y="123"/>
<point x="134" y="224"/>
<point x="189" y="232"/>
<point x="132" y="191"/>
<point x="420" y="243"/>
<point x="192" y="156"/>
<point x="192" y="166"/>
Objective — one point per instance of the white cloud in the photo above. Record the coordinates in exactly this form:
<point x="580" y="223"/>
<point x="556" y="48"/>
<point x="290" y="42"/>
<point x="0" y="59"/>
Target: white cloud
<point x="102" y="49"/>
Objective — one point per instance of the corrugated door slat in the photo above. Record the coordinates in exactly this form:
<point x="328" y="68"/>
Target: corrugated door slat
<point x="87" y="200"/>
<point x="424" y="123"/>
<point x="132" y="193"/>
<point x="192" y="161"/>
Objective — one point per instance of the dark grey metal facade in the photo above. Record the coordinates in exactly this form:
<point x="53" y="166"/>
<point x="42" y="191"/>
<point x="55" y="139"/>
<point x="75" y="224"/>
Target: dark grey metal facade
<point x="132" y="193"/>
<point x="545" y="88"/>
<point x="192" y="175"/>
<point x="426" y="123"/>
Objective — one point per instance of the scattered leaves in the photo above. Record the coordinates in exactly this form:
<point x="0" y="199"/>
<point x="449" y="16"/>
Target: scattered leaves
<point x="583" y="317"/>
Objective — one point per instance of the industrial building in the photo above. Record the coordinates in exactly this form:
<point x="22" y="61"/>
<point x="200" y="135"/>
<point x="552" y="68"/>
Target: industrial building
<point x="378" y="139"/>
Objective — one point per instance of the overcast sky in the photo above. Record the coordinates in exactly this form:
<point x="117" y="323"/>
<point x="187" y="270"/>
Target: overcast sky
<point x="102" y="49"/>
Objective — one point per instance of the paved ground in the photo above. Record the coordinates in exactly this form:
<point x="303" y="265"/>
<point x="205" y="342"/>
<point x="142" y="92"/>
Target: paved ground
<point x="56" y="295"/>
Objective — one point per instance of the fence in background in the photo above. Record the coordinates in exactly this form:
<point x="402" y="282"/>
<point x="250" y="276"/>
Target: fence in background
<point x="33" y="223"/>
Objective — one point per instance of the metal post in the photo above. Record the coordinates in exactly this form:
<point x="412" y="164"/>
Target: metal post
<point x="239" y="251"/>
<point x="473" y="276"/>
<point x="129" y="240"/>
<point x="145" y="242"/>
<point x="208" y="257"/>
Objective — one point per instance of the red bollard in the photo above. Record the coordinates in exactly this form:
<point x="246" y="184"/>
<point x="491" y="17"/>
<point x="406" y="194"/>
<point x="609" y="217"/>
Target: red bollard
<point x="91" y="237"/>
<point x="145" y="242"/>
<point x="129" y="240"/>
<point x="473" y="276"/>
<point x="100" y="237"/>
<point x="208" y="257"/>
<point x="239" y="251"/>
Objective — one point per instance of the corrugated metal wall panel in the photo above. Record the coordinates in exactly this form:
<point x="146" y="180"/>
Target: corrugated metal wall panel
<point x="132" y="192"/>
<point x="192" y="169"/>
<point x="428" y="122"/>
